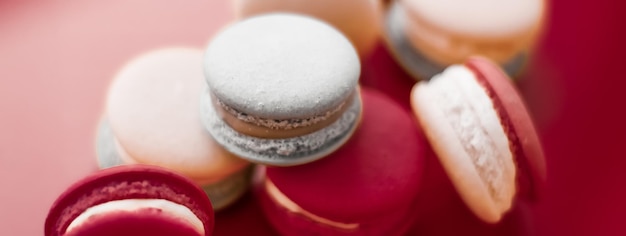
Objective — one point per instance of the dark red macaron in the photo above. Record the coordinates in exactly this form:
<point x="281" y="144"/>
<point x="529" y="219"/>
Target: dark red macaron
<point x="483" y="135"/>
<point x="367" y="187"/>
<point x="131" y="200"/>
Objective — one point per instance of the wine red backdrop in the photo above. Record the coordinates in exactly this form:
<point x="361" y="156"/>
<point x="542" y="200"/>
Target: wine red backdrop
<point x="57" y="57"/>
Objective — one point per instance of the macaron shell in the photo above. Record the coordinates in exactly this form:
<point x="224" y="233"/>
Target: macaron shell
<point x="376" y="172"/>
<point x="453" y="157"/>
<point x="533" y="166"/>
<point x="143" y="222"/>
<point x="281" y="66"/>
<point x="129" y="173"/>
<point x="357" y="19"/>
<point x="153" y="110"/>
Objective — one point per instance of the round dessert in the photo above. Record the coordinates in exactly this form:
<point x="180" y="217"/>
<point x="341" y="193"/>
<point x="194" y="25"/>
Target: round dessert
<point x="358" y="20"/>
<point x="131" y="200"/>
<point x="426" y="36"/>
<point x="282" y="89"/>
<point x="483" y="135"/>
<point x="153" y="117"/>
<point x="367" y="187"/>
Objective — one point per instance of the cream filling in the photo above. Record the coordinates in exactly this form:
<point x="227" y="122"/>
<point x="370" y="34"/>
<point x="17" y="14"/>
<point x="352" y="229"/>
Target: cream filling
<point x="130" y="205"/>
<point x="470" y="112"/>
<point x="280" y="199"/>
<point x="281" y="123"/>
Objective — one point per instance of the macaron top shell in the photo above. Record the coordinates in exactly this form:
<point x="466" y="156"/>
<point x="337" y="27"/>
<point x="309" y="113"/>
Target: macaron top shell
<point x="491" y="18"/>
<point x="378" y="170"/>
<point x="153" y="109"/>
<point x="527" y="149"/>
<point x="281" y="66"/>
<point x="128" y="182"/>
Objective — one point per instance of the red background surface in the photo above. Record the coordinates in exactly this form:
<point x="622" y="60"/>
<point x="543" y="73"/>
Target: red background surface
<point x="57" y="57"/>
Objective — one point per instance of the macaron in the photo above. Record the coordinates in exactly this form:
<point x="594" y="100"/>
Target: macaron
<point x="358" y="20"/>
<point x="282" y="89"/>
<point x="131" y="200"/>
<point x="427" y="36"/>
<point x="482" y="133"/>
<point x="152" y="116"/>
<point x="367" y="187"/>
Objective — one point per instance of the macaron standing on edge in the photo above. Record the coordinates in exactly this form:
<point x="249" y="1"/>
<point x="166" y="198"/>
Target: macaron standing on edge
<point x="282" y="89"/>
<point x="367" y="187"/>
<point x="483" y="135"/>
<point x="427" y="36"/>
<point x="131" y="200"/>
<point x="358" y="20"/>
<point x="152" y="116"/>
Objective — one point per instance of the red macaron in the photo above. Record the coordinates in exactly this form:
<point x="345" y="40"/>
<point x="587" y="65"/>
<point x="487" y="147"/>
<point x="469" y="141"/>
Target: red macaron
<point x="367" y="187"/>
<point x="131" y="200"/>
<point x="482" y="133"/>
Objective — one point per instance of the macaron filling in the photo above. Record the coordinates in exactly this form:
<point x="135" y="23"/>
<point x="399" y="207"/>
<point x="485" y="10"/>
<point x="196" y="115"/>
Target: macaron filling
<point x="282" y="200"/>
<point x="121" y="190"/>
<point x="525" y="183"/>
<point x="468" y="110"/>
<point x="135" y="205"/>
<point x="278" y="128"/>
<point x="284" y="151"/>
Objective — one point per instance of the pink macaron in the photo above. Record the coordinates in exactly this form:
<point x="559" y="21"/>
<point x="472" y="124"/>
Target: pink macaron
<point x="367" y="187"/>
<point x="482" y="133"/>
<point x="131" y="200"/>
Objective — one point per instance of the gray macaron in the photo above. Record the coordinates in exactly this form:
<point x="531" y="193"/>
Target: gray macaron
<point x="283" y="89"/>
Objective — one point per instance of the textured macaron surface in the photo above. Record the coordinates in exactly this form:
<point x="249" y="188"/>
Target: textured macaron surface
<point x="486" y="17"/>
<point x="281" y="66"/>
<point x="127" y="182"/>
<point x="153" y="109"/>
<point x="515" y="118"/>
<point x="376" y="172"/>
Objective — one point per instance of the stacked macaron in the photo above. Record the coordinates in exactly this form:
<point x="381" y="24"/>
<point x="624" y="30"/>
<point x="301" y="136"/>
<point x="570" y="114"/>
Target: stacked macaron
<point x="337" y="159"/>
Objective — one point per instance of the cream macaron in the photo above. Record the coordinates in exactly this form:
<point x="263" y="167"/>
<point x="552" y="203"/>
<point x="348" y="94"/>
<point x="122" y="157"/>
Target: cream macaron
<point x="283" y="89"/>
<point x="427" y="36"/>
<point x="358" y="20"/>
<point x="152" y="117"/>
<point x="483" y="135"/>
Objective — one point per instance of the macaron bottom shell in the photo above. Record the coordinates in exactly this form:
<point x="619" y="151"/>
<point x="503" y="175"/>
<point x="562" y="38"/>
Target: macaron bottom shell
<point x="414" y="61"/>
<point x="282" y="152"/>
<point x="289" y="223"/>
<point x="222" y="194"/>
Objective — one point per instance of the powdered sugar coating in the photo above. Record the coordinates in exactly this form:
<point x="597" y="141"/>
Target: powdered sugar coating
<point x="281" y="66"/>
<point x="282" y="152"/>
